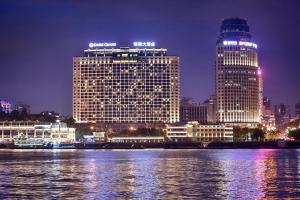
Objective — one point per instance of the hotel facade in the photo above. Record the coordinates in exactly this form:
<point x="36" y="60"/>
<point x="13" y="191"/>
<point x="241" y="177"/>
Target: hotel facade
<point x="126" y="85"/>
<point x="238" y="81"/>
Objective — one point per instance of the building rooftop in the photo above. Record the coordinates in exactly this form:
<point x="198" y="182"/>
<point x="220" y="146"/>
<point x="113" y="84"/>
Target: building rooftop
<point x="234" y="29"/>
<point x="124" y="52"/>
<point x="111" y="49"/>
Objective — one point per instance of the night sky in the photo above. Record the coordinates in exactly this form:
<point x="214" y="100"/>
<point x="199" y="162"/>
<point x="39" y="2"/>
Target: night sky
<point x="39" y="38"/>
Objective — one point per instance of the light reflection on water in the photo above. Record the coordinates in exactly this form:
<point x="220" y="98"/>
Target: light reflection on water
<point x="149" y="174"/>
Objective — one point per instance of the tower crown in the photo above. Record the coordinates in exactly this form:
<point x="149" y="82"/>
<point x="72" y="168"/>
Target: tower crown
<point x="234" y="28"/>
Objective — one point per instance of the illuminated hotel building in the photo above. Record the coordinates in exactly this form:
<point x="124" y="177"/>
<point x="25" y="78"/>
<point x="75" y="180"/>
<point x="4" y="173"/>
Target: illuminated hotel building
<point x="238" y="81"/>
<point x="128" y="85"/>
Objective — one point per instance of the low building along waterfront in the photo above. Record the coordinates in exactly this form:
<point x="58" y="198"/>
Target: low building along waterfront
<point x="48" y="132"/>
<point x="198" y="132"/>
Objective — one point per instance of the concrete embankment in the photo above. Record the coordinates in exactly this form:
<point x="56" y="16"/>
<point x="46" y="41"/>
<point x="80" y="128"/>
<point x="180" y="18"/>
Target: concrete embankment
<point x="171" y="145"/>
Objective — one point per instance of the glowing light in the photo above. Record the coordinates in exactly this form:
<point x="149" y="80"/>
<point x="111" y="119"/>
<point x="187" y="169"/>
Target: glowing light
<point x="226" y="43"/>
<point x="248" y="44"/>
<point x="240" y="43"/>
<point x="259" y="72"/>
<point x="105" y="44"/>
<point x="144" y="44"/>
<point x="131" y="128"/>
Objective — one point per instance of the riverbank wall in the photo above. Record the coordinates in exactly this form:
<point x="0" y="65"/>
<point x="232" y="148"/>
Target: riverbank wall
<point x="170" y="145"/>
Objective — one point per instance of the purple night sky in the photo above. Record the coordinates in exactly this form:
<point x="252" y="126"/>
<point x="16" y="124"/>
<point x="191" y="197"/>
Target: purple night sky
<point x="39" y="38"/>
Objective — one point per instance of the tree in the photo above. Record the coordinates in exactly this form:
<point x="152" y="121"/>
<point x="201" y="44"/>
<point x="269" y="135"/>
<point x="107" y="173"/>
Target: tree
<point x="294" y="134"/>
<point x="272" y="135"/>
<point x="23" y="114"/>
<point x="15" y="115"/>
<point x="257" y="134"/>
<point x="240" y="134"/>
<point x="70" y="121"/>
<point x="79" y="135"/>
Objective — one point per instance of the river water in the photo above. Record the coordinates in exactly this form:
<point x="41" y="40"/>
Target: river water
<point x="150" y="174"/>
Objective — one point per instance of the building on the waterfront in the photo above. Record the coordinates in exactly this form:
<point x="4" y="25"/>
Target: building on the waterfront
<point x="268" y="119"/>
<point x="191" y="111"/>
<point x="49" y="132"/>
<point x="5" y="106"/>
<point x="268" y="115"/>
<point x="238" y="86"/>
<point x="97" y="137"/>
<point x="126" y="85"/>
<point x="198" y="132"/>
<point x="297" y="110"/>
<point x="211" y="109"/>
<point x="282" y="115"/>
<point x="267" y="103"/>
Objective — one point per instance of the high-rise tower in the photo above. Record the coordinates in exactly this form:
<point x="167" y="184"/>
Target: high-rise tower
<point x="125" y="85"/>
<point x="238" y="81"/>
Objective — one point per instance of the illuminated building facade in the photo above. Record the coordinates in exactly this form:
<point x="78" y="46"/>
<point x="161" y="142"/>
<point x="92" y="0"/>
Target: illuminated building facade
<point x="267" y="103"/>
<point x="282" y="115"/>
<point x="268" y="116"/>
<point x="211" y="109"/>
<point x="50" y="132"/>
<point x="198" y="132"/>
<point x="126" y="85"/>
<point x="238" y="81"/>
<point x="190" y="111"/>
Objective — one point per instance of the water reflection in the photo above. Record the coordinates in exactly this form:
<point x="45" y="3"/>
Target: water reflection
<point x="150" y="174"/>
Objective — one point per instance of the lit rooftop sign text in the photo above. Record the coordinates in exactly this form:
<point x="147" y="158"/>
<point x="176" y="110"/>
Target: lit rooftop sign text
<point x="105" y="44"/>
<point x="240" y="43"/>
<point x="144" y="44"/>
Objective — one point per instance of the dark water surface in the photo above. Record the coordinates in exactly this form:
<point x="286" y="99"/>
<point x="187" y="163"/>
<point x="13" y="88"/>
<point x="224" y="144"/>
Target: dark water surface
<point x="150" y="174"/>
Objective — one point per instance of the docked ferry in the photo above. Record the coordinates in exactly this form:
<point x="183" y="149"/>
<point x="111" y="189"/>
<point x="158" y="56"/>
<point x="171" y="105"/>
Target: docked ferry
<point x="61" y="145"/>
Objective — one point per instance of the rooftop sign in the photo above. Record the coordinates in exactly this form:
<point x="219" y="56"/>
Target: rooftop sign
<point x="240" y="43"/>
<point x="144" y="44"/>
<point x="105" y="44"/>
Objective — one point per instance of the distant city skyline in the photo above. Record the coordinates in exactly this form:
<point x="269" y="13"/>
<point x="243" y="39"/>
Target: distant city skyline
<point x="37" y="45"/>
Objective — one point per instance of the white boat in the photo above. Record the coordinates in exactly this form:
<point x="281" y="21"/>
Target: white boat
<point x="24" y="142"/>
